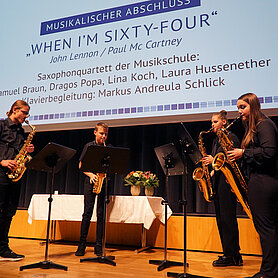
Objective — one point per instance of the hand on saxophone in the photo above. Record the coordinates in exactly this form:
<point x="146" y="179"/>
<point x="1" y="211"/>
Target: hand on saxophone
<point x="235" y="154"/>
<point x="11" y="164"/>
<point x="207" y="159"/>
<point x="93" y="177"/>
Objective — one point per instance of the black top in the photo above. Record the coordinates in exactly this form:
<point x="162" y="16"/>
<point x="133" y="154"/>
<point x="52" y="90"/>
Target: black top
<point x="261" y="156"/>
<point x="93" y="143"/>
<point x="11" y="139"/>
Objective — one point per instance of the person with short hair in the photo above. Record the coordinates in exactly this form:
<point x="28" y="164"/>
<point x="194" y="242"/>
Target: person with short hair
<point x="101" y="134"/>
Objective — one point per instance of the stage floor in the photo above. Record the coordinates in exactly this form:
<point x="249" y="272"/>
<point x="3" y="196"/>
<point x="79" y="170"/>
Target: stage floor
<point x="128" y="263"/>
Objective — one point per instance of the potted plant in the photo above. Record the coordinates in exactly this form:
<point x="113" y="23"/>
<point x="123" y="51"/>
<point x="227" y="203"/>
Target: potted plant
<point x="136" y="180"/>
<point x="150" y="182"/>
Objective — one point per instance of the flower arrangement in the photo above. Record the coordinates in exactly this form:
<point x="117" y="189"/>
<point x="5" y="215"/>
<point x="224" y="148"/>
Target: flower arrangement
<point x="144" y="179"/>
<point x="134" y="178"/>
<point x="151" y="180"/>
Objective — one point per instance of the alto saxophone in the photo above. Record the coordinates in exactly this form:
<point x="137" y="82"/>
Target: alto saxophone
<point x="98" y="184"/>
<point x="201" y="174"/>
<point x="22" y="157"/>
<point x="231" y="169"/>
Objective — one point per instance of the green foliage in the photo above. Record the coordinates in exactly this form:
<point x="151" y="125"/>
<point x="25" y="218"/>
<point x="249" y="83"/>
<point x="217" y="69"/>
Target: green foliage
<point x="144" y="179"/>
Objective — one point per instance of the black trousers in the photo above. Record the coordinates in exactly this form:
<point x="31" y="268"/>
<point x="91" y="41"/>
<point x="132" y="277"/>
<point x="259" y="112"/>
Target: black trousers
<point x="89" y="202"/>
<point x="9" y="198"/>
<point x="225" y="208"/>
<point x="263" y="201"/>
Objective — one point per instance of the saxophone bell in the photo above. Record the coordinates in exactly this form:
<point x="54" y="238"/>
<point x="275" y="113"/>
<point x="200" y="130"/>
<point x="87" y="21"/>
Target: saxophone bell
<point x="198" y="174"/>
<point x="202" y="174"/>
<point x="218" y="161"/>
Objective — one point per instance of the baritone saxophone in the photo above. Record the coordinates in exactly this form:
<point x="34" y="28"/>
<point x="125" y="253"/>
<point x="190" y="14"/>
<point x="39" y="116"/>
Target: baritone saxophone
<point x="22" y="157"/>
<point x="202" y="174"/>
<point x="231" y="169"/>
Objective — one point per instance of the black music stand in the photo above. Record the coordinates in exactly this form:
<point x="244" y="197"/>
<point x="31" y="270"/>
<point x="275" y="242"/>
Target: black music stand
<point x="50" y="159"/>
<point x="108" y="160"/>
<point x="190" y="149"/>
<point x="172" y="165"/>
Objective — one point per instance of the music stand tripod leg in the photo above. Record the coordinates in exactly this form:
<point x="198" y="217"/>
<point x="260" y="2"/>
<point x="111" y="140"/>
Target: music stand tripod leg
<point x="162" y="264"/>
<point x="46" y="264"/>
<point x="183" y="275"/>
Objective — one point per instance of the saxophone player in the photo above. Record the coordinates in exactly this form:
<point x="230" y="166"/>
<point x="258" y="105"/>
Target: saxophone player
<point x="224" y="201"/>
<point x="259" y="154"/>
<point x="101" y="133"/>
<point x="11" y="140"/>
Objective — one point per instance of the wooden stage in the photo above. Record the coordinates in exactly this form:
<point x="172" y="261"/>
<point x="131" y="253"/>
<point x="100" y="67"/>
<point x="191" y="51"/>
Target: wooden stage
<point x="129" y="263"/>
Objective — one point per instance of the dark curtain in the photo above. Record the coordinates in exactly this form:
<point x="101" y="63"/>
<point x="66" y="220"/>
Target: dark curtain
<point x="141" y="140"/>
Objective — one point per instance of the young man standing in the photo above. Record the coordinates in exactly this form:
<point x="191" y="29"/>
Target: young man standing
<point x="101" y="133"/>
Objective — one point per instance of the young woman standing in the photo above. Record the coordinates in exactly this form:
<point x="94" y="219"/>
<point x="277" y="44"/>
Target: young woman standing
<point x="260" y="159"/>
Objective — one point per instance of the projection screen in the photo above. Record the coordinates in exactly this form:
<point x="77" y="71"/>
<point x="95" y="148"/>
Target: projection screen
<point x="131" y="62"/>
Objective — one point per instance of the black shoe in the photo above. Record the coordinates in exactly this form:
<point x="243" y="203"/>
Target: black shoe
<point x="9" y="255"/>
<point x="80" y="250"/>
<point x="238" y="260"/>
<point x="228" y="261"/>
<point x="98" y="250"/>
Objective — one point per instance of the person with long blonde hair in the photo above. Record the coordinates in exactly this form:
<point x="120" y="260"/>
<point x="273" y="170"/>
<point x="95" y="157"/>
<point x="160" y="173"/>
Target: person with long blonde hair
<point x="11" y="140"/>
<point x="259" y="153"/>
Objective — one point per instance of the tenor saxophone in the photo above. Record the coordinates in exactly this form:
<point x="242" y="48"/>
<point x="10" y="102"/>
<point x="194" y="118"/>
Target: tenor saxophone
<point x="22" y="157"/>
<point x="100" y="178"/>
<point x="231" y="169"/>
<point x="202" y="174"/>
